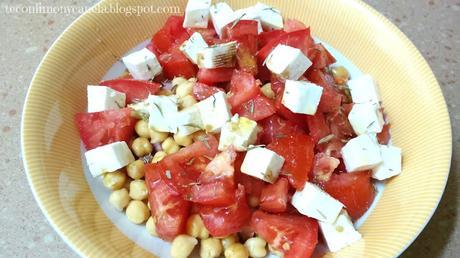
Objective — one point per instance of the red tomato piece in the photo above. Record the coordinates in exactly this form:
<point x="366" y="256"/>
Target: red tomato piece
<point x="257" y="108"/>
<point x="243" y="87"/>
<point x="202" y="91"/>
<point x="134" y="89"/>
<point x="274" y="197"/>
<point x="226" y="220"/>
<point x="101" y="128"/>
<point x="240" y="29"/>
<point x="215" y="75"/>
<point x="246" y="60"/>
<point x="291" y="25"/>
<point x="320" y="57"/>
<point x="355" y="190"/>
<point x="300" y="39"/>
<point x="339" y="125"/>
<point x="323" y="167"/>
<point x="175" y="29"/>
<point x="297" y="150"/>
<point x="330" y="99"/>
<point x="161" y="42"/>
<point x="267" y="36"/>
<point x="293" y="235"/>
<point x="168" y="208"/>
<point x="318" y="126"/>
<point x="176" y="64"/>
<point x="208" y="34"/>
<point x="276" y="127"/>
<point x="384" y="136"/>
<point x="331" y="147"/>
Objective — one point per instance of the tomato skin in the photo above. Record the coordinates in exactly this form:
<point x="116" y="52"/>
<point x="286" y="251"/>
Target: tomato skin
<point x="240" y="29"/>
<point x="101" y="128"/>
<point x="298" y="152"/>
<point x="168" y="208"/>
<point x="246" y="60"/>
<point x="176" y="64"/>
<point x="339" y="125"/>
<point x="267" y="36"/>
<point x="134" y="89"/>
<point x="274" y="197"/>
<point x="161" y="42"/>
<point x="202" y="91"/>
<point x="226" y="220"/>
<point x="243" y="87"/>
<point x="318" y="126"/>
<point x="214" y="75"/>
<point x="330" y="99"/>
<point x="294" y="235"/>
<point x="171" y="35"/>
<point x="257" y="108"/>
<point x="275" y="127"/>
<point x="384" y="136"/>
<point x="355" y="190"/>
<point x="300" y="39"/>
<point x="291" y="25"/>
<point x="320" y="57"/>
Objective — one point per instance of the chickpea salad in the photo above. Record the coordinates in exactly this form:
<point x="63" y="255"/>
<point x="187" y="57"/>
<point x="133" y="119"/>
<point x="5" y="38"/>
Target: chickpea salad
<point x="235" y="134"/>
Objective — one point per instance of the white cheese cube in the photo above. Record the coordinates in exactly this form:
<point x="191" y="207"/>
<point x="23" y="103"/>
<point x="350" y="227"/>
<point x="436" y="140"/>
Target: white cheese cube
<point x="250" y="13"/>
<point x="391" y="165"/>
<point x="142" y="64"/>
<point x="262" y="163"/>
<point x="366" y="118"/>
<point x="364" y="89"/>
<point x="197" y="14"/>
<point x="221" y="55"/>
<point x="270" y="17"/>
<point x="102" y="98"/>
<point x="214" y="111"/>
<point x="340" y="233"/>
<point x="316" y="203"/>
<point x="188" y="121"/>
<point x="221" y="15"/>
<point x="302" y="97"/>
<point x="162" y="113"/>
<point x="361" y="153"/>
<point x="288" y="62"/>
<point x="240" y="132"/>
<point x="108" y="158"/>
<point x="192" y="46"/>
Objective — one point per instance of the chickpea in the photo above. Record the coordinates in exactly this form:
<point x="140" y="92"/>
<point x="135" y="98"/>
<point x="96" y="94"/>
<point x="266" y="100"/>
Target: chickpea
<point x="142" y="129"/>
<point x="229" y="240"/>
<point x="340" y="74"/>
<point x="196" y="228"/>
<point x="183" y="140"/>
<point x="182" y="246"/>
<point x="114" y="180"/>
<point x="268" y="91"/>
<point x="159" y="155"/>
<point x="170" y="146"/>
<point x="141" y="146"/>
<point x="151" y="227"/>
<point x="256" y="247"/>
<point x="157" y="137"/>
<point x="138" y="190"/>
<point x="210" y="248"/>
<point x="184" y="89"/>
<point x="135" y="169"/>
<point x="137" y="212"/>
<point x="119" y="199"/>
<point x="236" y="250"/>
<point x="187" y="101"/>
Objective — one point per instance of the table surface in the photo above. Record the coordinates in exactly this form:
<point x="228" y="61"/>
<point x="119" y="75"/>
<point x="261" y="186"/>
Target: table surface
<point x="432" y="25"/>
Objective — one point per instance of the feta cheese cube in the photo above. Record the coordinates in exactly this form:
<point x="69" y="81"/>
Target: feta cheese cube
<point x="221" y="15"/>
<point x="270" y="17"/>
<point x="340" y="233"/>
<point x="366" y="118"/>
<point x="364" y="89"/>
<point x="240" y="132"/>
<point x="288" y="62"/>
<point x="197" y="14"/>
<point x="162" y="113"/>
<point x="302" y="97"/>
<point x="192" y="46"/>
<point x="108" y="158"/>
<point x="214" y="111"/>
<point x="361" y="153"/>
<point x="188" y="121"/>
<point x="102" y="98"/>
<point x="262" y="163"/>
<point x="250" y="13"/>
<point x="142" y="65"/>
<point x="221" y="55"/>
<point x="316" y="203"/>
<point x="391" y="165"/>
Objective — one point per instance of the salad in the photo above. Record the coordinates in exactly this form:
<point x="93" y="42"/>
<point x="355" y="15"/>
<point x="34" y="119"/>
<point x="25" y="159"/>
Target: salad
<point x="234" y="131"/>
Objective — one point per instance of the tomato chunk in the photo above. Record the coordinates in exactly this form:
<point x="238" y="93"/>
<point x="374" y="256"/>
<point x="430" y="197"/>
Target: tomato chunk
<point x="355" y="190"/>
<point x="384" y="136"/>
<point x="274" y="197"/>
<point x="134" y="89"/>
<point x="171" y="35"/>
<point x="209" y="34"/>
<point x="266" y="36"/>
<point x="300" y="39"/>
<point x="320" y="57"/>
<point x="226" y="220"/>
<point x="293" y="235"/>
<point x="168" y="208"/>
<point x="176" y="64"/>
<point x="101" y="128"/>
<point x="243" y="87"/>
<point x="330" y="99"/>
<point x="245" y="59"/>
<point x="323" y="167"/>
<point x="276" y="127"/>
<point x="215" y="75"/>
<point x="339" y="125"/>
<point x="202" y="91"/>
<point x="257" y="108"/>
<point x="318" y="126"/>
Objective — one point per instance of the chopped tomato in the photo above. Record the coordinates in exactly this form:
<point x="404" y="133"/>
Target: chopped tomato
<point x="318" y="126"/>
<point x="355" y="190"/>
<point x="246" y="60"/>
<point x="300" y="39"/>
<point x="215" y="75"/>
<point x="176" y="64"/>
<point x="339" y="125"/>
<point x="323" y="167"/>
<point x="274" y="197"/>
<point x="240" y="29"/>
<point x="266" y="36"/>
<point x="331" y="147"/>
<point x="330" y="99"/>
<point x="257" y="108"/>
<point x="226" y="220"/>
<point x="384" y="136"/>
<point x="202" y="91"/>
<point x="101" y="128"/>
<point x="293" y="235"/>
<point x="161" y="42"/>
<point x="168" y="208"/>
<point x="134" y="89"/>
<point x="208" y="34"/>
<point x="291" y="25"/>
<point x="243" y="87"/>
<point x="297" y="150"/>
<point x="171" y="35"/>
<point x="276" y="127"/>
<point x="320" y="57"/>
